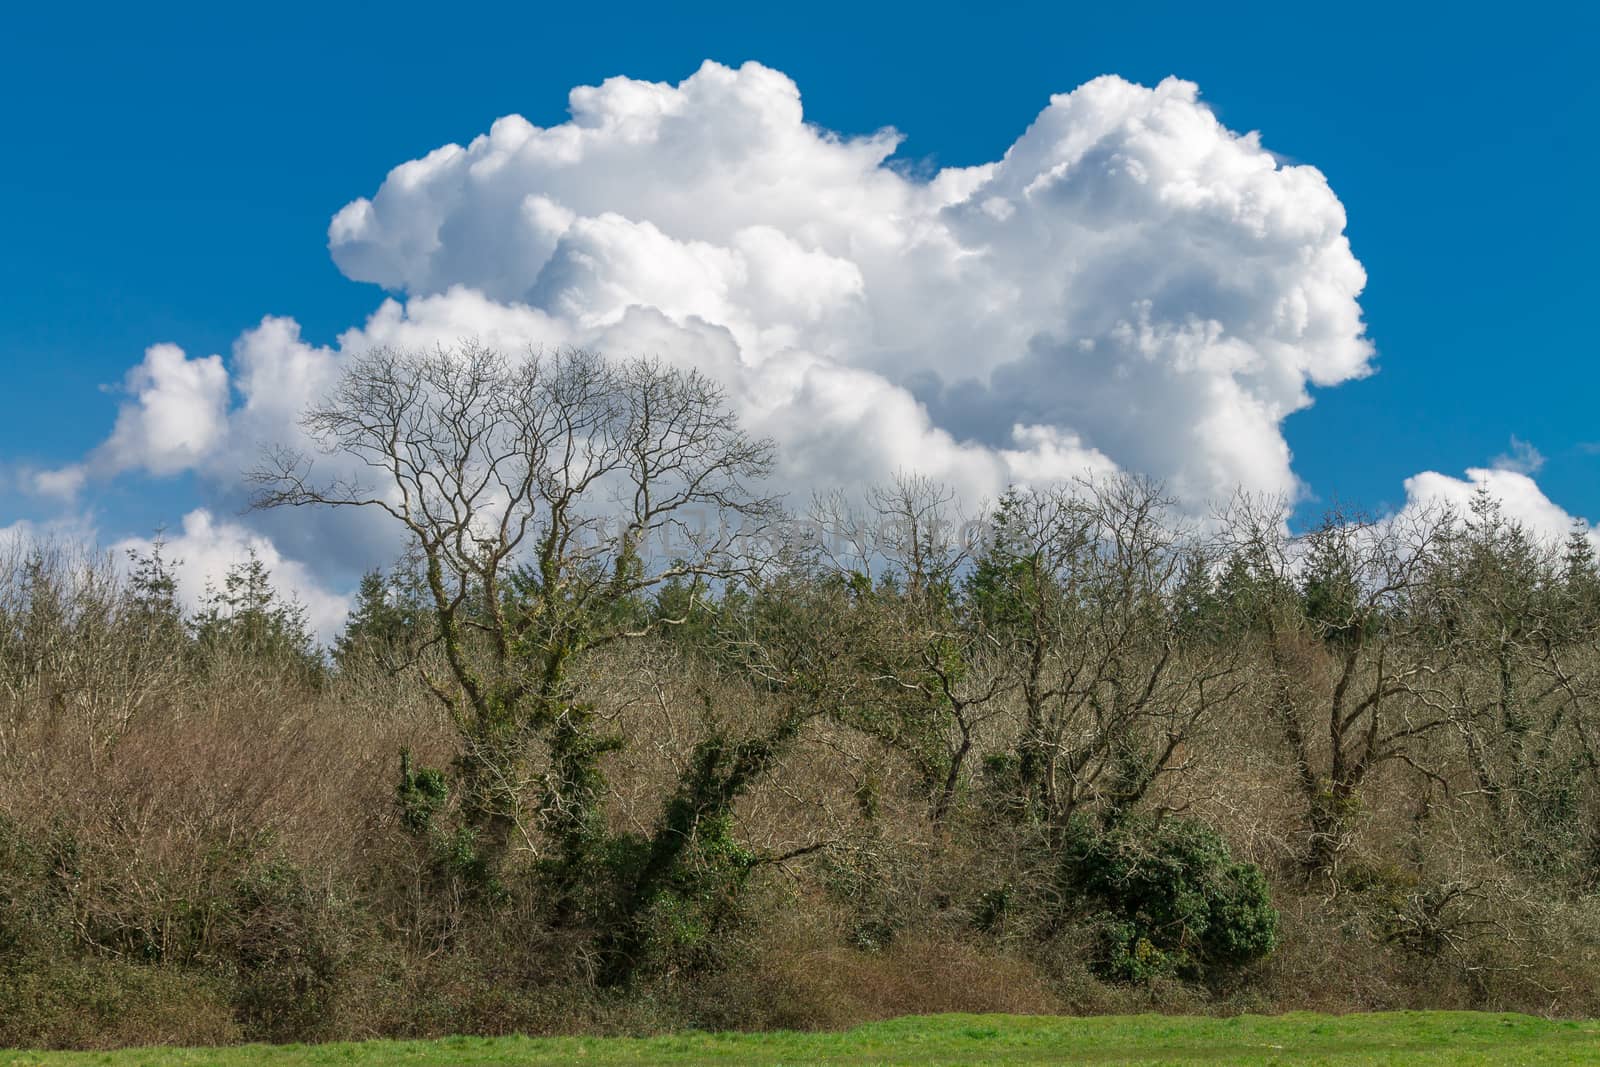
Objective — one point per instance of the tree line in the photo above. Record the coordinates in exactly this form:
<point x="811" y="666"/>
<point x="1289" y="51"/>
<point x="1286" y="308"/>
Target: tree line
<point x="1121" y="752"/>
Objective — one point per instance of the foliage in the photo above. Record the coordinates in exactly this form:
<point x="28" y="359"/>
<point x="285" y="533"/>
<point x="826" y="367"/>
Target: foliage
<point x="1173" y="900"/>
<point x="286" y="959"/>
<point x="386" y="624"/>
<point x="246" y="618"/>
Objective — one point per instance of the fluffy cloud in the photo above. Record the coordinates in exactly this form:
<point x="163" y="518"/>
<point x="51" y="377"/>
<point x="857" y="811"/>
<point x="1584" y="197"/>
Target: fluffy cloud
<point x="1156" y="291"/>
<point x="63" y="483"/>
<point x="1131" y="286"/>
<point x="176" y="414"/>
<point x="1519" y="495"/>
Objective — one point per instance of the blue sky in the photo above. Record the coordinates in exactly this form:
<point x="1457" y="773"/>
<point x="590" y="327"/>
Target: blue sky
<point x="171" y="172"/>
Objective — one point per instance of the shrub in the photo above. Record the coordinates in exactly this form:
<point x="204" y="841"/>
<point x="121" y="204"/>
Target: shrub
<point x="1168" y="898"/>
<point x="50" y="1002"/>
<point x="868" y="881"/>
<point x="285" y="948"/>
<point x="689" y="916"/>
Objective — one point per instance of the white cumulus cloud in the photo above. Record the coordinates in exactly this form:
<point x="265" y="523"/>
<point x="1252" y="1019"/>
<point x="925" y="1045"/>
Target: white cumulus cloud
<point x="1519" y="495"/>
<point x="1130" y="286"/>
<point x="175" y="415"/>
<point x="1155" y="290"/>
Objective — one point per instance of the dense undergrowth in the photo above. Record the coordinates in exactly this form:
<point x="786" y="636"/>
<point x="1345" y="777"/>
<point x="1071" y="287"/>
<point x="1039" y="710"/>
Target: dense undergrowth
<point x="1096" y="761"/>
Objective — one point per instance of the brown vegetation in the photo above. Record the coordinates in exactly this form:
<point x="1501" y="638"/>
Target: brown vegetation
<point x="1061" y="768"/>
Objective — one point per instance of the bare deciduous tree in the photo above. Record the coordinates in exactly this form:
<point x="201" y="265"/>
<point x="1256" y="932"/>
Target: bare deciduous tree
<point x="80" y="638"/>
<point x="1354" y="661"/>
<point x="545" y="493"/>
<point x="1078" y="587"/>
<point x="938" y="680"/>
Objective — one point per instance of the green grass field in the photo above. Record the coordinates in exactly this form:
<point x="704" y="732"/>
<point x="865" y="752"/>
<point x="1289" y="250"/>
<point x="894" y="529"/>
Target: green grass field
<point x="1398" y="1037"/>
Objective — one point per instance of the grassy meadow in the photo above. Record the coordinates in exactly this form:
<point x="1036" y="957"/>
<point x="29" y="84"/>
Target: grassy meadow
<point x="1377" y="1038"/>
